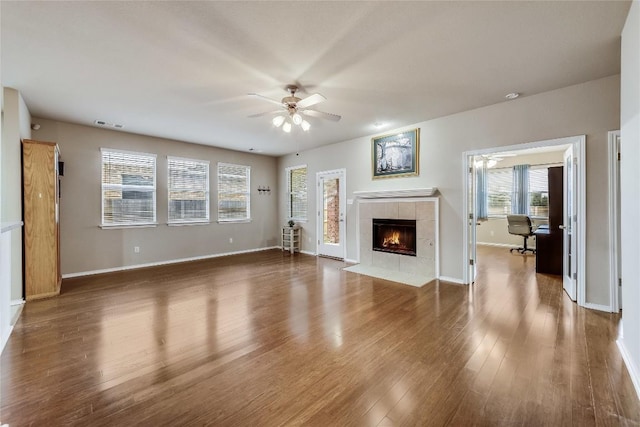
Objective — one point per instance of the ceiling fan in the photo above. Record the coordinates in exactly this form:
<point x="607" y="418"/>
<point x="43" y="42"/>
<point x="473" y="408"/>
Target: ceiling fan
<point x="492" y="159"/>
<point x="293" y="108"/>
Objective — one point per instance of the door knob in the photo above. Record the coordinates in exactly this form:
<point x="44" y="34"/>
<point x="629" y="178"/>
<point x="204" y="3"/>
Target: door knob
<point x="562" y="227"/>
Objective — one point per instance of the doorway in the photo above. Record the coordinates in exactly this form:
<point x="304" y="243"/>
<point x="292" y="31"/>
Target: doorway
<point x="331" y="208"/>
<point x="573" y="270"/>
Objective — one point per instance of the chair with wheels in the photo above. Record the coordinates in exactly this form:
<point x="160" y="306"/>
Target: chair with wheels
<point x="520" y="225"/>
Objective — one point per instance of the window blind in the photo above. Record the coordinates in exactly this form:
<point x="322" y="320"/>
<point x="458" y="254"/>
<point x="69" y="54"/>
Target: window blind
<point x="499" y="186"/>
<point x="297" y="191"/>
<point x="128" y="188"/>
<point x="234" y="197"/>
<point x="188" y="190"/>
<point x="539" y="191"/>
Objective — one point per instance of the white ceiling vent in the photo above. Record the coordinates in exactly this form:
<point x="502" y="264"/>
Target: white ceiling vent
<point x="107" y="124"/>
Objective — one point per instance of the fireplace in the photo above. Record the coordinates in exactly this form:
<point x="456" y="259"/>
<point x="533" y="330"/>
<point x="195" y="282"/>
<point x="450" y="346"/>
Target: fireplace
<point x="396" y="236"/>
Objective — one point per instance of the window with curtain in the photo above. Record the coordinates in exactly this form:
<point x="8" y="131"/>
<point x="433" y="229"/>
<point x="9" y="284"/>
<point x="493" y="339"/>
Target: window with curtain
<point x="234" y="197"/>
<point x="502" y="187"/>
<point x="188" y="186"/>
<point x="297" y="193"/>
<point x="538" y="191"/>
<point x="128" y="188"/>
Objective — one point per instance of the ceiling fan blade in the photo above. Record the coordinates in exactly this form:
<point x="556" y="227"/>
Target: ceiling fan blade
<point x="266" y="113"/>
<point x="273" y="101"/>
<point x="310" y="100"/>
<point x="322" y="114"/>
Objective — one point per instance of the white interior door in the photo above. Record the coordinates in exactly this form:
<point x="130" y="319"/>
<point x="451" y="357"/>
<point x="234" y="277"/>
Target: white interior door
<point x="331" y="213"/>
<point x="473" y="218"/>
<point x="569" y="265"/>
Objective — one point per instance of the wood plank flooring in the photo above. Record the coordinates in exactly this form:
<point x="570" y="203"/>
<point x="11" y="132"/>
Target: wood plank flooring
<point x="272" y="339"/>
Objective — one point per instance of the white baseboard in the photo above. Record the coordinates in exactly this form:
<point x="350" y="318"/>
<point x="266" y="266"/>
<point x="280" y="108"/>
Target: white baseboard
<point x="351" y="261"/>
<point x="631" y="367"/>
<point x="154" y="264"/>
<point x="308" y="253"/>
<point x="598" y="307"/>
<point x="17" y="302"/>
<point x="451" y="279"/>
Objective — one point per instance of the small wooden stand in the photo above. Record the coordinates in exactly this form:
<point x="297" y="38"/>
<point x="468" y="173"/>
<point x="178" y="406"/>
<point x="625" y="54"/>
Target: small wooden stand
<point x="291" y="238"/>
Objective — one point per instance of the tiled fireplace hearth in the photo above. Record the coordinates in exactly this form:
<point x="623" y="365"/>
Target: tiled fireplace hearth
<point x="401" y="210"/>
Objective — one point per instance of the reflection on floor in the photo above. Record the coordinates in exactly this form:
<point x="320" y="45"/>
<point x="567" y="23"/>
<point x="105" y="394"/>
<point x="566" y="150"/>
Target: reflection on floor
<point x="273" y="339"/>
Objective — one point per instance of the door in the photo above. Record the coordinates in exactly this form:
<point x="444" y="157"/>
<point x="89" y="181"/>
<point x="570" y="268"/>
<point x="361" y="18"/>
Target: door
<point x="473" y="216"/>
<point x="569" y="217"/>
<point x="331" y="213"/>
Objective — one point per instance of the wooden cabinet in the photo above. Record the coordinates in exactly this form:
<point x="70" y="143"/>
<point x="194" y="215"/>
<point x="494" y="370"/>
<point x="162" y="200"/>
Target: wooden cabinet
<point x="549" y="239"/>
<point x="41" y="212"/>
<point x="555" y="175"/>
<point x="291" y="239"/>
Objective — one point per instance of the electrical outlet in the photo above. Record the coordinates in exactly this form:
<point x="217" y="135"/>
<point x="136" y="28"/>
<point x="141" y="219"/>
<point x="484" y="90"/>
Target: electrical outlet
<point x="136" y="249"/>
<point x="230" y="239"/>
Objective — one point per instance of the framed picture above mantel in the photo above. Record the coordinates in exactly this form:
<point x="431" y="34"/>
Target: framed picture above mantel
<point x="396" y="155"/>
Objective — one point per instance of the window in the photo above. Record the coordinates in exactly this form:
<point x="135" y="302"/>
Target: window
<point x="539" y="191"/>
<point x="188" y="190"/>
<point x="128" y="188"/>
<point x="234" y="198"/>
<point x="499" y="187"/>
<point x="500" y="191"/>
<point x="297" y="193"/>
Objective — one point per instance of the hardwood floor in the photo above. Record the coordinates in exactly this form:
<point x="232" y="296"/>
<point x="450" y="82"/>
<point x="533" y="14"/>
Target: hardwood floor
<point x="273" y="339"/>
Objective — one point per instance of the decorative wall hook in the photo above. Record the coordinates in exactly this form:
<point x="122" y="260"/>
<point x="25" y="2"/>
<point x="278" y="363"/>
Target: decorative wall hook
<point x="264" y="189"/>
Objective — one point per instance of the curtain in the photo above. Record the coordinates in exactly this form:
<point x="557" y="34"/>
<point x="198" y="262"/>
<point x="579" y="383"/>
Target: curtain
<point x="481" y="199"/>
<point x="520" y="193"/>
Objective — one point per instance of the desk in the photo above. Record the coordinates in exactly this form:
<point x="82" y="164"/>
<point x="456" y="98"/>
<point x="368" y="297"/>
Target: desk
<point x="548" y="251"/>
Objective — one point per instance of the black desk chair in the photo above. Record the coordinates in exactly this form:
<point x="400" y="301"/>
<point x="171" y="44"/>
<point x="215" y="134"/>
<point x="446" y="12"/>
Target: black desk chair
<point x="520" y="225"/>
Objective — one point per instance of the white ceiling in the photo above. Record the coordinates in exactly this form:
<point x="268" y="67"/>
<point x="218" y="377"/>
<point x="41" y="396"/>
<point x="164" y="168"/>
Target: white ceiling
<point x="182" y="70"/>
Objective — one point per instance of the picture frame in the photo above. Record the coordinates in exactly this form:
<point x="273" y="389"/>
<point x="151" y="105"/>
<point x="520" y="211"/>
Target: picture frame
<point x="396" y="155"/>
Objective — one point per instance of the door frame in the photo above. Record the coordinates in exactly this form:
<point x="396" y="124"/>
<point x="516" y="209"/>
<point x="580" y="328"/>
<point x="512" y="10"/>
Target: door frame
<point x="579" y="143"/>
<point x="343" y="209"/>
<point x="613" y="138"/>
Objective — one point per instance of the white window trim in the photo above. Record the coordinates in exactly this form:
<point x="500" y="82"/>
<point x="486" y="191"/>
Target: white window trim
<point x="239" y="220"/>
<point x="176" y="222"/>
<point x="153" y="223"/>
<point x="288" y="172"/>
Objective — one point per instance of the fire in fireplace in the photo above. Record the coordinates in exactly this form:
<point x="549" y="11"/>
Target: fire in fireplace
<point x="397" y="236"/>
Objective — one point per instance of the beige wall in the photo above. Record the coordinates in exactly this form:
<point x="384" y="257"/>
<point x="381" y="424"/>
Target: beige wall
<point x="86" y="247"/>
<point x="16" y="122"/>
<point x="630" y="191"/>
<point x="591" y="108"/>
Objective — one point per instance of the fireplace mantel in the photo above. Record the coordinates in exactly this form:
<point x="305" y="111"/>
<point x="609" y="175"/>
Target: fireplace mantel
<point x="392" y="194"/>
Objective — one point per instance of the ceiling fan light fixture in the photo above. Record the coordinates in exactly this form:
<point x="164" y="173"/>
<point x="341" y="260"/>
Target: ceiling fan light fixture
<point x="278" y="121"/>
<point x="296" y="118"/>
<point x="305" y="125"/>
<point x="286" y="127"/>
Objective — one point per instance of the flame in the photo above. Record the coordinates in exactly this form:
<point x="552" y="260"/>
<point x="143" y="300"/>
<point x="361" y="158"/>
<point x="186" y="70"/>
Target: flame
<point x="394" y="239"/>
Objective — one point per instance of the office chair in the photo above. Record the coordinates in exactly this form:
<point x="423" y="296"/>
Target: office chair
<point x="520" y="225"/>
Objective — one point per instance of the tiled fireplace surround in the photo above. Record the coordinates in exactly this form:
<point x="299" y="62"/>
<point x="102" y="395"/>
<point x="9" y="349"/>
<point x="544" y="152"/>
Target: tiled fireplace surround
<point x="425" y="211"/>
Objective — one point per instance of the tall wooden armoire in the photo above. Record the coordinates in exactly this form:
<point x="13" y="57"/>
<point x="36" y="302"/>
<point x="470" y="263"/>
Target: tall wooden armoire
<point x="41" y="212"/>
